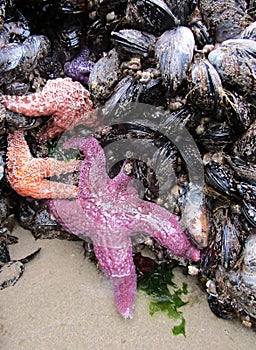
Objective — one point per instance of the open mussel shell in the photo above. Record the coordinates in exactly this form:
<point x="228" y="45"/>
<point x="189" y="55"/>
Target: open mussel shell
<point x="174" y="52"/>
<point x="11" y="271"/>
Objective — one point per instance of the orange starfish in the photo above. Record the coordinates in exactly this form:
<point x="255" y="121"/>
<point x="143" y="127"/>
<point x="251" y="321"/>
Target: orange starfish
<point x="66" y="100"/>
<point x="27" y="174"/>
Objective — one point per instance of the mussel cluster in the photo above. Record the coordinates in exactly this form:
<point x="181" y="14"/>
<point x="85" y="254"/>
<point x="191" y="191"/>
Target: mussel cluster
<point x="194" y="59"/>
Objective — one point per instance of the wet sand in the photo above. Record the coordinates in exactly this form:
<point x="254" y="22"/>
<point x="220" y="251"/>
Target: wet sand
<point x="63" y="302"/>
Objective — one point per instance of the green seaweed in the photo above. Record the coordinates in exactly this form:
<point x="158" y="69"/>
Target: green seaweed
<point x="165" y="294"/>
<point x="180" y="329"/>
<point x="55" y="149"/>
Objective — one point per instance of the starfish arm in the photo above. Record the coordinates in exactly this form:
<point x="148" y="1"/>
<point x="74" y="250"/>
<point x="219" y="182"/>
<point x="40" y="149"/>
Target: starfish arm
<point x="93" y="174"/>
<point x="50" y="130"/>
<point x="51" y="167"/>
<point x="66" y="100"/>
<point x="32" y="105"/>
<point x="17" y="145"/>
<point x="80" y="67"/>
<point x="117" y="263"/>
<point x="124" y="293"/>
<point x="58" y="124"/>
<point x="121" y="181"/>
<point x="91" y="119"/>
<point x="70" y="215"/>
<point x="51" y="189"/>
<point x="26" y="174"/>
<point x="163" y="226"/>
<point x="110" y="211"/>
<point x="43" y="189"/>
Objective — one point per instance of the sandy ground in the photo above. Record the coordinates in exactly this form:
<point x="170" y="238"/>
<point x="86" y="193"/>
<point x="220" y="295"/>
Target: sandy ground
<point x="63" y="302"/>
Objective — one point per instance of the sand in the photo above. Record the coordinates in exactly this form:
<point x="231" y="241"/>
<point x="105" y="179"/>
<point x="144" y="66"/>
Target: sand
<point x="63" y="302"/>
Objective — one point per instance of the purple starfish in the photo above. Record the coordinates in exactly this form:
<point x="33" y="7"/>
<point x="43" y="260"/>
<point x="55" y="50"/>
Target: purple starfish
<point x="80" y="67"/>
<point x="110" y="211"/>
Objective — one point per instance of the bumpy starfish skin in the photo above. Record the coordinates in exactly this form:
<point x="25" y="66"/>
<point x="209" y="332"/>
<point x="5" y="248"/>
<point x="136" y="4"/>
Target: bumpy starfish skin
<point x="67" y="101"/>
<point x="110" y="212"/>
<point x="80" y="67"/>
<point x="26" y="174"/>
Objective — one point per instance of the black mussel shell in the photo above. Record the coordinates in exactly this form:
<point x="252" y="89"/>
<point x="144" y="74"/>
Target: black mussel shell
<point x="221" y="177"/>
